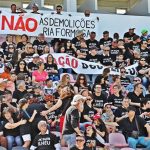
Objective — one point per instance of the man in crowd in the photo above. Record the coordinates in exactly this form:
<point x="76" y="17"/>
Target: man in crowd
<point x="72" y="119"/>
<point x="136" y="130"/>
<point x="128" y="36"/>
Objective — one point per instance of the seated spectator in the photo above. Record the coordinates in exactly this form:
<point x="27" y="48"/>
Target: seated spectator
<point x="24" y="40"/>
<point x="9" y="40"/>
<point x="143" y="70"/>
<point x="144" y="35"/>
<point x="121" y="112"/>
<point x="9" y="54"/>
<point x="6" y="74"/>
<point x="11" y="128"/>
<point x="49" y="88"/>
<point x="32" y="66"/>
<point x="105" y="58"/>
<point x="20" y="91"/>
<point x="51" y="142"/>
<point x="135" y="129"/>
<point x="40" y="76"/>
<point x="28" y="52"/>
<point x="39" y="44"/>
<point x="80" y="143"/>
<point x="81" y="83"/>
<point x="3" y="85"/>
<point x="3" y="140"/>
<point x="128" y="36"/>
<point x="51" y="68"/>
<point x="47" y="50"/>
<point x="22" y="68"/>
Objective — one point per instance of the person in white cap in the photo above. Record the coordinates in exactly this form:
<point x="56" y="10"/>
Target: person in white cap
<point x="72" y="119"/>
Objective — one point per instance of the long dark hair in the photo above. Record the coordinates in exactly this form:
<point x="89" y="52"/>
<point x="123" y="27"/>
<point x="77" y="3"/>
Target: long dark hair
<point x="78" y="79"/>
<point x="18" y="68"/>
<point x="52" y="58"/>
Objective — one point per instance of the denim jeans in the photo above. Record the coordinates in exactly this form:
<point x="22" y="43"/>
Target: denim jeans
<point x="68" y="70"/>
<point x="141" y="140"/>
<point x="12" y="139"/>
<point x="70" y="139"/>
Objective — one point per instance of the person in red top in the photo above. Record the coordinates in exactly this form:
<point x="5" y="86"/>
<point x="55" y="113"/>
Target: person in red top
<point x="39" y="75"/>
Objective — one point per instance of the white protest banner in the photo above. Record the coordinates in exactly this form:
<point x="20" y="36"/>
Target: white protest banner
<point x="85" y="67"/>
<point x="54" y="26"/>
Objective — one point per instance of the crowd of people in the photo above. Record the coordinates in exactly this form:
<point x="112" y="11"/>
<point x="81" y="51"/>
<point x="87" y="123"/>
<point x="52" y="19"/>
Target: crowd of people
<point x="45" y="107"/>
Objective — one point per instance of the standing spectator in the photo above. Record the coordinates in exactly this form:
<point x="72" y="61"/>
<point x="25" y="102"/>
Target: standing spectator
<point x="106" y="40"/>
<point x="45" y="140"/>
<point x="58" y="9"/>
<point x="128" y="36"/>
<point x="39" y="44"/>
<point x="91" y="42"/>
<point x="76" y="40"/>
<point x="39" y="76"/>
<point x="80" y="143"/>
<point x="11" y="128"/>
<point x="72" y="119"/>
<point x="35" y="9"/>
<point x="87" y="13"/>
<point x="136" y="130"/>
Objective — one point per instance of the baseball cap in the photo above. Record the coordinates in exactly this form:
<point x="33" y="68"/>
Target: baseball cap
<point x="88" y="125"/>
<point x="131" y="28"/>
<point x="107" y="104"/>
<point x="144" y="31"/>
<point x="77" y="98"/>
<point x="2" y="80"/>
<point x="35" y="55"/>
<point x="96" y="116"/>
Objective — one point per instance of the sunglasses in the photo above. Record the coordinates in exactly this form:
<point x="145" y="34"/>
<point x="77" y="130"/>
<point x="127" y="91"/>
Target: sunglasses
<point x="135" y="80"/>
<point x="123" y="71"/>
<point x="30" y="47"/>
<point x="79" y="140"/>
<point x="142" y="59"/>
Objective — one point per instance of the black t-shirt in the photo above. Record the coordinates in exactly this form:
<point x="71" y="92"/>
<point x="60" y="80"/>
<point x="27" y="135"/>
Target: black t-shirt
<point x="91" y="43"/>
<point x="71" y="52"/>
<point x="125" y="81"/>
<point x="105" y="60"/>
<point x="72" y="120"/>
<point x="129" y="36"/>
<point x="21" y="46"/>
<point x="76" y="42"/>
<point x="40" y="46"/>
<point x="143" y="68"/>
<point x="127" y="126"/>
<point x="84" y="50"/>
<point x="38" y="97"/>
<point x="1" y="55"/>
<point x="92" y="58"/>
<point x="115" y="100"/>
<point x="145" y="53"/>
<point x="106" y="42"/>
<point x="89" y="140"/>
<point x="2" y="92"/>
<point x="19" y="95"/>
<point x="8" y="55"/>
<point x="89" y="111"/>
<point x="5" y="45"/>
<point x="134" y="46"/>
<point x="120" y="64"/>
<point x="146" y="117"/>
<point x="11" y="132"/>
<point x="114" y="52"/>
<point x="45" y="142"/>
<point x="32" y="66"/>
<point x="75" y="148"/>
<point x="81" y="87"/>
<point x="99" y="101"/>
<point x="25" y="72"/>
<point x="49" y="67"/>
<point x="27" y="56"/>
<point x="120" y="111"/>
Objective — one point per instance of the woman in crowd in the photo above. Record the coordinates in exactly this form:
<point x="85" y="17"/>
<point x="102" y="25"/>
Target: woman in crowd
<point x="51" y="68"/>
<point x="25" y="129"/>
<point x="81" y="83"/>
<point x="24" y="40"/>
<point x="46" y="49"/>
<point x="40" y="75"/>
<point x="11" y="128"/>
